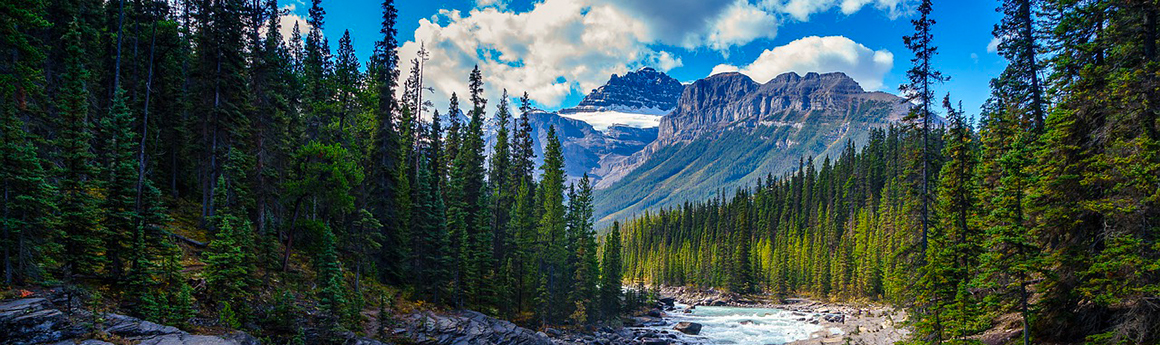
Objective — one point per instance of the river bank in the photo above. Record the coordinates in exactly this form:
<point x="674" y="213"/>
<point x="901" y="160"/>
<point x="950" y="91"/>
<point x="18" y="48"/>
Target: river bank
<point x="840" y="323"/>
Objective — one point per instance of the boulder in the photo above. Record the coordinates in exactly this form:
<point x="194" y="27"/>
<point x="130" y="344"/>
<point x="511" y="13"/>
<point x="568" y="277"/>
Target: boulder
<point x="468" y="328"/>
<point x="654" y="341"/>
<point x="36" y="321"/>
<point x="690" y="328"/>
<point x="669" y="301"/>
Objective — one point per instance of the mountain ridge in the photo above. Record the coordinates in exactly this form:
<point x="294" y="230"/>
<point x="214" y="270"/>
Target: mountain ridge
<point x="728" y="130"/>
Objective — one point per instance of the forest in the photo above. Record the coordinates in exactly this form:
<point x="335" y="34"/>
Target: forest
<point x="182" y="162"/>
<point x="1044" y="208"/>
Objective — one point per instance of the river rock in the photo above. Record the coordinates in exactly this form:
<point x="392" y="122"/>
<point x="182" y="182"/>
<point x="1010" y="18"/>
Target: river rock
<point x="37" y="321"/>
<point x="690" y="328"/>
<point x="669" y="301"/>
<point x="467" y="328"/>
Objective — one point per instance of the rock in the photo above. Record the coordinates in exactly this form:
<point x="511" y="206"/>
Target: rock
<point x="669" y="301"/>
<point x="34" y="321"/>
<point x="655" y="313"/>
<point x="131" y="327"/>
<point x="719" y="303"/>
<point x="553" y="332"/>
<point x="467" y="327"/>
<point x="654" y="341"/>
<point x="189" y="339"/>
<point x="690" y="328"/>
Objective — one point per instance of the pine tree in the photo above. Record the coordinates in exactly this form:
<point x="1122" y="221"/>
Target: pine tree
<point x="610" y="275"/>
<point x="502" y="190"/>
<point x="330" y="280"/>
<point x="27" y="213"/>
<point x="228" y="263"/>
<point x="552" y="229"/>
<point x="922" y="77"/>
<point x="385" y="160"/>
<point x="586" y="269"/>
<point x="119" y="169"/>
<point x="467" y="207"/>
<point x="82" y="245"/>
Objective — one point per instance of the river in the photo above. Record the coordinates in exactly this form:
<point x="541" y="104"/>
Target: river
<point x="744" y="326"/>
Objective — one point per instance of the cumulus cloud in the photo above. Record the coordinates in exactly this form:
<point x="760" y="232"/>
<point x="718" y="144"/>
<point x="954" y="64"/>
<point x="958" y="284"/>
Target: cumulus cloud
<point x="741" y="23"/>
<point x="565" y="47"/>
<point x="993" y="46"/>
<point x="501" y="4"/>
<point x="802" y="9"/>
<point x="822" y="55"/>
<point x="557" y="48"/>
<point x="287" y="20"/>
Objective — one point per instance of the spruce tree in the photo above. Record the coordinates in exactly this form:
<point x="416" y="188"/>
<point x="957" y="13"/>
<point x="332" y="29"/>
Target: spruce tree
<point x="553" y="255"/>
<point x="82" y="244"/>
<point x="27" y="214"/>
<point x="922" y="77"/>
<point x="610" y="275"/>
<point x="385" y="159"/>
<point x="119" y="175"/>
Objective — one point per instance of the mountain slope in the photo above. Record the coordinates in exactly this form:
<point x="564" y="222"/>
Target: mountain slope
<point x="727" y="131"/>
<point x="637" y="99"/>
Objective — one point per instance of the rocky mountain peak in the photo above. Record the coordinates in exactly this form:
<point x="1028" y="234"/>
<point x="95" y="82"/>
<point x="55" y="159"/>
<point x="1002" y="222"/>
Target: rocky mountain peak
<point x="642" y="91"/>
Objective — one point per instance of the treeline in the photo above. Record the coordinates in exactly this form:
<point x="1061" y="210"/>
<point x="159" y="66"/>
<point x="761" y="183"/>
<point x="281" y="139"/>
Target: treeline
<point x="307" y="172"/>
<point x="1047" y="210"/>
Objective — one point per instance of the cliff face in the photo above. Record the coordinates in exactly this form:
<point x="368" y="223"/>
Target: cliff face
<point x="727" y="131"/>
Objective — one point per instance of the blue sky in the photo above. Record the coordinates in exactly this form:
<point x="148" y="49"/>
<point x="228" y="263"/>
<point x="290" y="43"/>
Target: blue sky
<point x="557" y="50"/>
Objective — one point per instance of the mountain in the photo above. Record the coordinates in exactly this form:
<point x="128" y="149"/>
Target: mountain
<point x="585" y="149"/>
<point x="727" y="131"/>
<point x="637" y="99"/>
<point x="612" y="123"/>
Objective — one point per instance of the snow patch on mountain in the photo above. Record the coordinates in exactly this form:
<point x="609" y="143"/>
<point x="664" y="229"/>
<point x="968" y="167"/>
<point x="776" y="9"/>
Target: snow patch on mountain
<point x="603" y="119"/>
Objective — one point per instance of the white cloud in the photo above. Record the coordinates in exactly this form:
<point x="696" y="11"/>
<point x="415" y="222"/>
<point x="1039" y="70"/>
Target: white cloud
<point x="993" y="46"/>
<point x="802" y="9"/>
<point x="822" y="55"/>
<point x="564" y="47"/>
<point x="557" y="48"/>
<point x="741" y="23"/>
<point x="724" y="68"/>
<point x="287" y="20"/>
<point x="500" y="4"/>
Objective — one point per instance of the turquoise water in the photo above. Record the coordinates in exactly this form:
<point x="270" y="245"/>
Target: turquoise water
<point x="745" y="326"/>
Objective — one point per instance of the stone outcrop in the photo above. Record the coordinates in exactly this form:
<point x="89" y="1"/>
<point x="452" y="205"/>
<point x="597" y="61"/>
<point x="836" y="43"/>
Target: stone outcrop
<point x="39" y="321"/>
<point x="465" y="328"/>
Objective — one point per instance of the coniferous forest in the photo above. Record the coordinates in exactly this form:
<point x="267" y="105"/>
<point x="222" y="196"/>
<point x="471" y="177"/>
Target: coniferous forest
<point x="181" y="161"/>
<point x="1046" y="209"/>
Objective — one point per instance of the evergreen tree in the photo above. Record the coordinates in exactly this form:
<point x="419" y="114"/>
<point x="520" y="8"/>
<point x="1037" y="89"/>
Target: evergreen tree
<point x="27" y="214"/>
<point x="82" y="244"/>
<point x="922" y="77"/>
<point x="610" y="275"/>
<point x="582" y="239"/>
<point x="385" y="160"/>
<point x="553" y="255"/>
<point x="119" y="170"/>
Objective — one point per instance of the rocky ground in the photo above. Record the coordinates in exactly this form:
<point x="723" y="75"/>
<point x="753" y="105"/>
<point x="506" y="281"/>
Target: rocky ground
<point x="856" y="323"/>
<point x="39" y="321"/>
<point x="43" y="320"/>
<point x="864" y="324"/>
